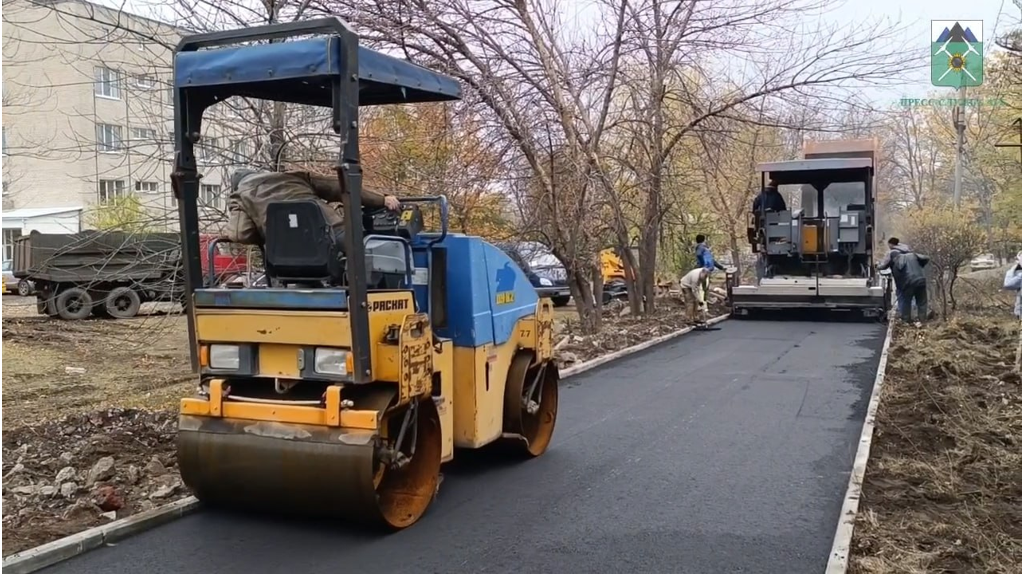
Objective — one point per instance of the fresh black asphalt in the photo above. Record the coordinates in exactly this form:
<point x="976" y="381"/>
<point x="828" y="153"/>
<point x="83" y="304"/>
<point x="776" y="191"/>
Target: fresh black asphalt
<point x="722" y="451"/>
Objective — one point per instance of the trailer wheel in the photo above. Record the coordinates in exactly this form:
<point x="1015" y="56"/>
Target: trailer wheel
<point x="74" y="303"/>
<point x="122" y="303"/>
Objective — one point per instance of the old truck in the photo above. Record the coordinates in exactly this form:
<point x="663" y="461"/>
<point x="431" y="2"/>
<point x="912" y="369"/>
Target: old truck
<point x="108" y="273"/>
<point x="818" y="252"/>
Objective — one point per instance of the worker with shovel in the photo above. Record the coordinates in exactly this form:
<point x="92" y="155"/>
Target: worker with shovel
<point x="694" y="290"/>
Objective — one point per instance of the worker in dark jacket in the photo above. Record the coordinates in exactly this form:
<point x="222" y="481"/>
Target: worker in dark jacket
<point x="907" y="269"/>
<point x="770" y="199"/>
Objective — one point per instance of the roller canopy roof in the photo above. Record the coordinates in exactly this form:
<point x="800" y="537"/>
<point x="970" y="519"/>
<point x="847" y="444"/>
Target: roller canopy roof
<point x="301" y="72"/>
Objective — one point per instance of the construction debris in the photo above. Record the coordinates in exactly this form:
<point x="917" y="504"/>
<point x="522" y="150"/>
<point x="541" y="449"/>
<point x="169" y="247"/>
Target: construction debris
<point x="68" y="475"/>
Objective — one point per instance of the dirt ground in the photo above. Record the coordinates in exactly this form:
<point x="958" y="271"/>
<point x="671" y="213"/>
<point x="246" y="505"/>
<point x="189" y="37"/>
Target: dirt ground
<point x="943" y="486"/>
<point x="53" y="368"/>
<point x="86" y="409"/>
<point x="89" y="411"/>
<point x="83" y="470"/>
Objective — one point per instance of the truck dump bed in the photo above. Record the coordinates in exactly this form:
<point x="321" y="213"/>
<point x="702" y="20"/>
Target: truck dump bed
<point x="866" y="148"/>
<point x="94" y="256"/>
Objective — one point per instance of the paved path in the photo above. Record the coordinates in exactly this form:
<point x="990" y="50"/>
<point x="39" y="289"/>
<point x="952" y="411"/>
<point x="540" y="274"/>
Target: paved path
<point x="724" y="451"/>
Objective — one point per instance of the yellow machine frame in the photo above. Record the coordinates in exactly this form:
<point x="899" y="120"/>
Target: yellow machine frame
<point x="472" y="380"/>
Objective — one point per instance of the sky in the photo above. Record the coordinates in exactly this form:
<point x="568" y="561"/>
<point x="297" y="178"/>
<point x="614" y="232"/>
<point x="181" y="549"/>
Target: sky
<point x="912" y="17"/>
<point x="916" y="17"/>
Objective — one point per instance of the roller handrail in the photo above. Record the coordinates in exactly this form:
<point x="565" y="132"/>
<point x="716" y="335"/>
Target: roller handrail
<point x="329" y="25"/>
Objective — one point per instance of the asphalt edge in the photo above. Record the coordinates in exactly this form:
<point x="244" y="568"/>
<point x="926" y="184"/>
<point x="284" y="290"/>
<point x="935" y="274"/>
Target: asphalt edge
<point x="603" y="359"/>
<point x="839" y="557"/>
<point x="46" y="555"/>
<point x="35" y="559"/>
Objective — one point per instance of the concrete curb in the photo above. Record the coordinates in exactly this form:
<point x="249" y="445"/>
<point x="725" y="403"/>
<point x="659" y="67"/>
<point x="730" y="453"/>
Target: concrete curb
<point x="838" y="560"/>
<point x="594" y="363"/>
<point x="35" y="559"/>
<point x="51" y="553"/>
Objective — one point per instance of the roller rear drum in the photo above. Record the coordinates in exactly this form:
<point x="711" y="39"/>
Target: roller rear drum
<point x="531" y="404"/>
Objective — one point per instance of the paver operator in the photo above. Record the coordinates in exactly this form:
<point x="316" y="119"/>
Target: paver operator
<point x="252" y="191"/>
<point x="769" y="199"/>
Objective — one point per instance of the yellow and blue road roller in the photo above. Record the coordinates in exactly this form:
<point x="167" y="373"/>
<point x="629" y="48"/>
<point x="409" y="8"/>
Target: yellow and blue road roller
<point x="341" y="387"/>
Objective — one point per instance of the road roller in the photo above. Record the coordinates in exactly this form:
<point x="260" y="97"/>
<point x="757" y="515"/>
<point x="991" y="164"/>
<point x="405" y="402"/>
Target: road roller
<point x="339" y="386"/>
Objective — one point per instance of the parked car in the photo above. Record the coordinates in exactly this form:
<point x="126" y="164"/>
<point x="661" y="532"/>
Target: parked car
<point x="12" y="284"/>
<point x="545" y="272"/>
<point x="982" y="262"/>
<point x="614" y="289"/>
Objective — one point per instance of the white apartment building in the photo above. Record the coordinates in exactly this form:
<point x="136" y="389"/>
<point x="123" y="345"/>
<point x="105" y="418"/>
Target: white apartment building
<point x="88" y="117"/>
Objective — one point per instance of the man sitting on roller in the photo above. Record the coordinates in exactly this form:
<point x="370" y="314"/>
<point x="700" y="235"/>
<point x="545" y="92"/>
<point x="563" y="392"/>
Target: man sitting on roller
<point x="252" y="191"/>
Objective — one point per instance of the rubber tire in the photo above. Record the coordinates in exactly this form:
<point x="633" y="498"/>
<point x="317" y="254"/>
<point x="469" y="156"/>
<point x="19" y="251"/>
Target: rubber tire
<point x="69" y="294"/>
<point x="560" y="301"/>
<point x="24" y="288"/>
<point x="134" y="303"/>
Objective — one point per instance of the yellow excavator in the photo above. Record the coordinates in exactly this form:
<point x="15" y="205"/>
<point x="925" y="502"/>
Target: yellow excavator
<point x="340" y="387"/>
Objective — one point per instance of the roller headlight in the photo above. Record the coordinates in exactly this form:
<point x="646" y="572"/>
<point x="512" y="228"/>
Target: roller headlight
<point x="330" y="361"/>
<point x="224" y="357"/>
<point x="545" y="282"/>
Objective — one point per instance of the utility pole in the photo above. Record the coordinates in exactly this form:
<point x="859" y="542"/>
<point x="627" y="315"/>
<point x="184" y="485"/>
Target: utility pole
<point x="959" y="121"/>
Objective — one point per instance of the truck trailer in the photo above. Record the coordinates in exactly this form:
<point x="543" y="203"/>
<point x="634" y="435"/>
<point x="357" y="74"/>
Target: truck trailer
<point x="110" y="273"/>
<point x="818" y="252"/>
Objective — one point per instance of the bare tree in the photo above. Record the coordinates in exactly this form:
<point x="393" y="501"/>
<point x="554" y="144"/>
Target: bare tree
<point x="675" y="52"/>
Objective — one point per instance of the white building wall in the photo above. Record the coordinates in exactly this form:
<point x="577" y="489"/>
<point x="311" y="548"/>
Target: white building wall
<point x="17" y="224"/>
<point x="51" y="110"/>
<point x="63" y="223"/>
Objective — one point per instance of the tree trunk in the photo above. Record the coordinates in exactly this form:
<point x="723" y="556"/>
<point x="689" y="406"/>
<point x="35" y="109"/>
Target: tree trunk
<point x="734" y="249"/>
<point x="597" y="285"/>
<point x="276" y="137"/>
<point x="590" y="319"/>
<point x="629" y="267"/>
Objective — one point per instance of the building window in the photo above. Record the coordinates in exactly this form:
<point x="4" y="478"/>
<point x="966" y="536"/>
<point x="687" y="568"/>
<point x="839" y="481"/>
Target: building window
<point x="108" y="83"/>
<point x="170" y="96"/>
<point x="145" y="82"/>
<point x="143" y="134"/>
<point x="10" y="235"/>
<point x="209" y="195"/>
<point x="147" y="187"/>
<point x="239" y="151"/>
<point x="208" y="149"/>
<point x="108" y="138"/>
<point x="111" y="189"/>
<point x="5" y="140"/>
